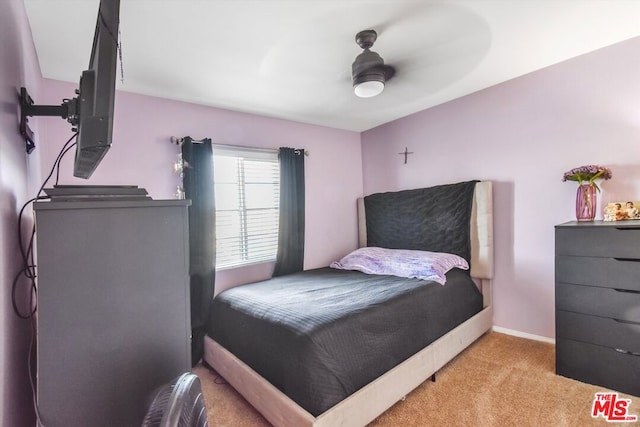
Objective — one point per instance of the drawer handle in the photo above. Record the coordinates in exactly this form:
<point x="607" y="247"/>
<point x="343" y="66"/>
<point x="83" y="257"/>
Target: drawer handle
<point x="627" y="228"/>
<point x="619" y="350"/>
<point x="627" y="259"/>
<point x="628" y="322"/>
<point x="627" y="291"/>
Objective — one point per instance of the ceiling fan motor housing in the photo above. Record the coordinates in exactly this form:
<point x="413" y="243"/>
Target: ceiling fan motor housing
<point x="369" y="66"/>
<point x="366" y="38"/>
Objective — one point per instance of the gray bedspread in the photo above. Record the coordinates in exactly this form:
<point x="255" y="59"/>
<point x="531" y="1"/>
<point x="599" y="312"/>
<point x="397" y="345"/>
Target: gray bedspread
<point x="322" y="334"/>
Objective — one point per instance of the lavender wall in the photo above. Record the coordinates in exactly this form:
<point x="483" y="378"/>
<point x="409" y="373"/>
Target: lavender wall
<point x="142" y="154"/>
<point x="524" y="134"/>
<point x="18" y="67"/>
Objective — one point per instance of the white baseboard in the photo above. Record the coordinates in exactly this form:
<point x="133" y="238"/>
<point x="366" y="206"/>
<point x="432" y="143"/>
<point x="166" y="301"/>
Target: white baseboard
<point x="522" y="334"/>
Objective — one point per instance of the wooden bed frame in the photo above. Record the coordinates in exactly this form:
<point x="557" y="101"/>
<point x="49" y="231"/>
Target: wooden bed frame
<point x="376" y="397"/>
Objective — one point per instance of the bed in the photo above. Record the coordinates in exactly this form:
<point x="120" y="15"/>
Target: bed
<point x="331" y="347"/>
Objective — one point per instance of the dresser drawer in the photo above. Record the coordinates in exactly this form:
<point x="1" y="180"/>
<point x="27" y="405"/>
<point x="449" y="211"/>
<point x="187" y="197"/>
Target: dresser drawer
<point x="605" y="272"/>
<point x="598" y="365"/>
<point x="598" y="330"/>
<point x="599" y="241"/>
<point x="605" y="302"/>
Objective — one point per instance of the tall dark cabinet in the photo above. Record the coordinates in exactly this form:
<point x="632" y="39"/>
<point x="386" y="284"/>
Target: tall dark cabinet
<point x="113" y="320"/>
<point x="598" y="303"/>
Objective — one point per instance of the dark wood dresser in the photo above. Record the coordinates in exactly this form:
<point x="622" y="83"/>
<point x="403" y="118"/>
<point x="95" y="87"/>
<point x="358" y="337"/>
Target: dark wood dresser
<point x="597" y="269"/>
<point x="113" y="308"/>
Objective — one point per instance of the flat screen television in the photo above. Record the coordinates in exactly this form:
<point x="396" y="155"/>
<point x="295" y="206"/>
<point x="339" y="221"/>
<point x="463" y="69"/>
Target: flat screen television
<point x="97" y="92"/>
<point x="91" y="112"/>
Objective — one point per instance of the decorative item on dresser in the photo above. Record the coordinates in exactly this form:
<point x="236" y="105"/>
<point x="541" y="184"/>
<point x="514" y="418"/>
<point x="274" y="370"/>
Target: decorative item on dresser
<point x="598" y="303"/>
<point x="620" y="211"/>
<point x="586" y="197"/>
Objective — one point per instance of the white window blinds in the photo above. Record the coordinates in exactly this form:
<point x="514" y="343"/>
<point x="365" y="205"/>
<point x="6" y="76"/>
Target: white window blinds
<point x="247" y="193"/>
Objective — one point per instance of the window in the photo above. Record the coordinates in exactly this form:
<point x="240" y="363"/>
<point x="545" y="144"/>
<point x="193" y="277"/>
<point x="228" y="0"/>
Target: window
<point x="247" y="192"/>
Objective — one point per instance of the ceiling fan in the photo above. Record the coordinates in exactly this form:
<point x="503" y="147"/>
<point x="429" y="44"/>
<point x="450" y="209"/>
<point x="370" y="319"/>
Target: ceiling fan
<point x="369" y="72"/>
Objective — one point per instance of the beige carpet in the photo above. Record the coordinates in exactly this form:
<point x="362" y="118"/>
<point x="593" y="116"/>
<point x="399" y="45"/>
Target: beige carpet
<point x="499" y="381"/>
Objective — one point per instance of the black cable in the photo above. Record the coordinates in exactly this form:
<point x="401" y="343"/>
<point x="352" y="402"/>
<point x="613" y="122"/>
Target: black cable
<point x="23" y="252"/>
<point x="13" y="298"/>
<point x="63" y="153"/>
<point x="217" y="378"/>
<point x="29" y="271"/>
<point x="28" y="265"/>
<point x="107" y="27"/>
<point x="32" y="378"/>
<point x="26" y="254"/>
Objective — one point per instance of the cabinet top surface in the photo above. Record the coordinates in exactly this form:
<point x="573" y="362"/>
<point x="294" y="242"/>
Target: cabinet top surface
<point x="632" y="223"/>
<point x="92" y="204"/>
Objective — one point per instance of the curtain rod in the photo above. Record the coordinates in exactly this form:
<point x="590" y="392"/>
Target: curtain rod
<point x="179" y="140"/>
<point x="255" y="149"/>
<point x="242" y="147"/>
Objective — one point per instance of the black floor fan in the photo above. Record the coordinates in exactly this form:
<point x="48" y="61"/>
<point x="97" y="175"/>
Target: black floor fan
<point x="179" y="404"/>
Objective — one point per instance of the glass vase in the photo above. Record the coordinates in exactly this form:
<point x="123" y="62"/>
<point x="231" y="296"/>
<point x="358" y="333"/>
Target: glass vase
<point x="586" y="202"/>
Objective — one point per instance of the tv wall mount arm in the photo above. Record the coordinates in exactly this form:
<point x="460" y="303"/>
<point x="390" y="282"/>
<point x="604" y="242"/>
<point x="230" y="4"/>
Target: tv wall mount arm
<point x="69" y="109"/>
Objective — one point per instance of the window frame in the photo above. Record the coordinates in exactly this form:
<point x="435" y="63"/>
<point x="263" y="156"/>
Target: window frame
<point x="253" y="154"/>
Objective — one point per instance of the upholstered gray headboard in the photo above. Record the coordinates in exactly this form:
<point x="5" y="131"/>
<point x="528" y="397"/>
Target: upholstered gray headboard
<point x="480" y="231"/>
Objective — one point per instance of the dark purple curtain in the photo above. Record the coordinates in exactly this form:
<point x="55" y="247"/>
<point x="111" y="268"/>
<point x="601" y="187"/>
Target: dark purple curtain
<point x="290" y="256"/>
<point x="198" y="187"/>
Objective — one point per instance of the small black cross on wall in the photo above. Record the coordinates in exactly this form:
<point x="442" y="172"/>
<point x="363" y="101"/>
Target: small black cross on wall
<point x="406" y="154"/>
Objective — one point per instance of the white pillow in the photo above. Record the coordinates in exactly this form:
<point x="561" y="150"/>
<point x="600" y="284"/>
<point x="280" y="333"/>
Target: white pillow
<point x="402" y="262"/>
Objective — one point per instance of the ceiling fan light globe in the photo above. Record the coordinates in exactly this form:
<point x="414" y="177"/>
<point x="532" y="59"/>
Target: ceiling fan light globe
<point x="368" y="89"/>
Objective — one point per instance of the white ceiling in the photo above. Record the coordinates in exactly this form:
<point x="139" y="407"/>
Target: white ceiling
<point x="292" y="59"/>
